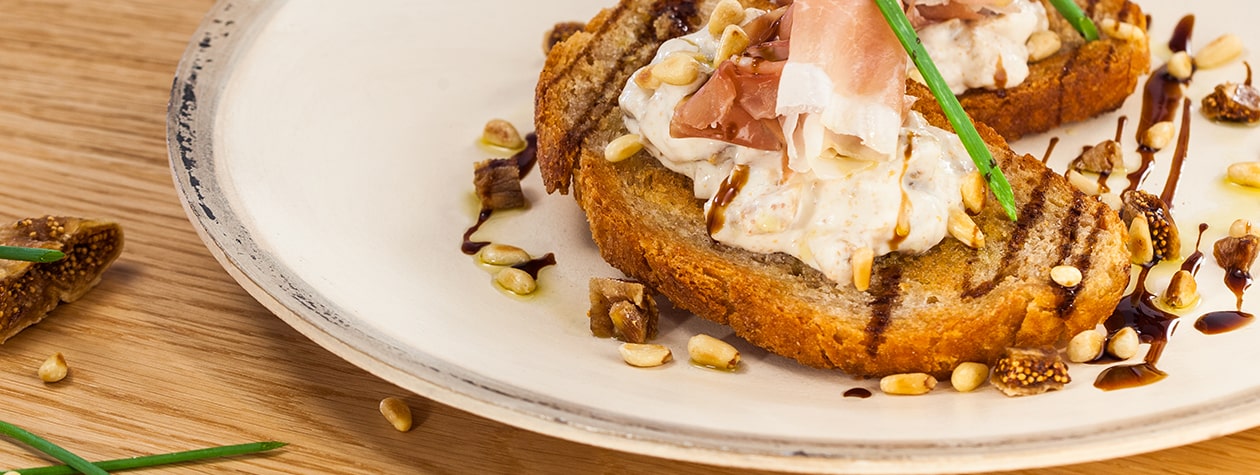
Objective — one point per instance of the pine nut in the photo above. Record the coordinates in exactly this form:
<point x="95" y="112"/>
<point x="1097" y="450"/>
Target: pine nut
<point x="705" y="350"/>
<point x="1242" y="228"/>
<point x="623" y="147"/>
<point x="1083" y="183"/>
<point x="501" y="133"/>
<point x="1141" y="249"/>
<point x="974" y="192"/>
<point x="645" y="355"/>
<point x="908" y="384"/>
<point x="1066" y="276"/>
<point x="645" y="79"/>
<point x="734" y="42"/>
<point x="1124" y="343"/>
<point x="678" y="69"/>
<point x="726" y="13"/>
<point x="1043" y="44"/>
<point x="1245" y="174"/>
<point x="54" y="368"/>
<point x="964" y="229"/>
<point x="1122" y="31"/>
<point x="1086" y="346"/>
<point x="1182" y="291"/>
<point x="397" y="413"/>
<point x="1219" y="52"/>
<point x="516" y="281"/>
<point x="1159" y="135"/>
<point x="969" y="376"/>
<point x="1180" y="65"/>
<point x="503" y="255"/>
<point x="862" y="261"/>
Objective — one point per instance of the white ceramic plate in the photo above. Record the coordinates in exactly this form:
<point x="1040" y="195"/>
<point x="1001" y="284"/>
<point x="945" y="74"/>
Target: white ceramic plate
<point x="324" y="151"/>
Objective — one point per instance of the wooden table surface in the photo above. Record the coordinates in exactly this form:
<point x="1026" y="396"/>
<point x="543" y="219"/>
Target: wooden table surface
<point x="168" y="353"/>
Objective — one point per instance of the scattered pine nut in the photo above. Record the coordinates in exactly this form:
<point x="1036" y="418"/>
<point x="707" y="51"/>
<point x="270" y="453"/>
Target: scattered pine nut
<point x="503" y="255"/>
<point x="908" y="384"/>
<point x="1159" y="135"/>
<point x="1043" y="44"/>
<point x="969" y="376"/>
<point x="1124" y="343"/>
<point x="645" y="355"/>
<point x="1245" y="174"/>
<point x="623" y="147"/>
<point x="397" y="413"/>
<point x="726" y="13"/>
<point x="501" y="133"/>
<point x="1219" y="52"/>
<point x="54" y="368"/>
<point x="712" y="352"/>
<point x="516" y="281"/>
<point x="1086" y="346"/>
<point x="1066" y="276"/>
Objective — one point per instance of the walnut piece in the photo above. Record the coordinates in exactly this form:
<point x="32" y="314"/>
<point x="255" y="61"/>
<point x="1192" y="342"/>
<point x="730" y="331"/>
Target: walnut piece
<point x="622" y="309"/>
<point x="1102" y="158"/>
<point x="1237" y="253"/>
<point x="498" y="182"/>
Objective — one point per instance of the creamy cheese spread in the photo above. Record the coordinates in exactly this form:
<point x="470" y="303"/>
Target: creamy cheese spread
<point x="821" y="214"/>
<point x="989" y="53"/>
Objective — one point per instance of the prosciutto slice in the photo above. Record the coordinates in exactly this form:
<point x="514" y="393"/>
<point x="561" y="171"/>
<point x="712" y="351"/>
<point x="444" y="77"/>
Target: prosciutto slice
<point x="842" y="91"/>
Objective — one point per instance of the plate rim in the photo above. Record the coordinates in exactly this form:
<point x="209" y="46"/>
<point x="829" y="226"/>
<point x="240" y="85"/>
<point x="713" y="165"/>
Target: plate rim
<point x="225" y="31"/>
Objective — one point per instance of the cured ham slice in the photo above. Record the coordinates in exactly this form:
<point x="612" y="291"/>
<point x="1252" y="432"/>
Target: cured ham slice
<point x="843" y="88"/>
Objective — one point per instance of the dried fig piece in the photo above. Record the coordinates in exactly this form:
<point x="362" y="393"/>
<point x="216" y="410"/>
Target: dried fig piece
<point x="1165" y="238"/>
<point x="1029" y="371"/>
<point x="1232" y="102"/>
<point x="28" y="291"/>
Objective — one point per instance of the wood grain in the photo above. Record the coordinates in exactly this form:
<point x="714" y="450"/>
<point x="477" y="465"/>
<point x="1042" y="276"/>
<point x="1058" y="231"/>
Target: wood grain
<point x="168" y="353"/>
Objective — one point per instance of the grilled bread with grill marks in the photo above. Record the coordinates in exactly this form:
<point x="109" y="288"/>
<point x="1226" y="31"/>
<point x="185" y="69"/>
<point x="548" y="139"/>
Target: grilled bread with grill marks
<point x="1081" y="81"/>
<point x="925" y="312"/>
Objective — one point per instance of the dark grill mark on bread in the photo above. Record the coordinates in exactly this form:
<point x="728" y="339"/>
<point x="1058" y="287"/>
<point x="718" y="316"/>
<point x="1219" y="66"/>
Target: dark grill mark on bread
<point x="886" y="291"/>
<point x="1029" y="216"/>
<point x="1069" y="234"/>
<point x="680" y="17"/>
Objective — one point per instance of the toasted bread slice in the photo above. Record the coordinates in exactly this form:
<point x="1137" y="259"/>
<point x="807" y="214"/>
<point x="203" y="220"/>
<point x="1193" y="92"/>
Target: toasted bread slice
<point x="28" y="290"/>
<point x="925" y="312"/>
<point x="1081" y="81"/>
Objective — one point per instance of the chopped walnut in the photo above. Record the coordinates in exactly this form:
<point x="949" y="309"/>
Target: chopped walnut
<point x="622" y="309"/>
<point x="1102" y="158"/>
<point x="498" y="183"/>
<point x="1237" y="253"/>
<point x="1029" y="371"/>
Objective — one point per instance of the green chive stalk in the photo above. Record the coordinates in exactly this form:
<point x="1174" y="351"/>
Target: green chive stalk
<point x="31" y="254"/>
<point x="146" y="461"/>
<point x="1077" y="18"/>
<point x="53" y="450"/>
<point x="896" y="18"/>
